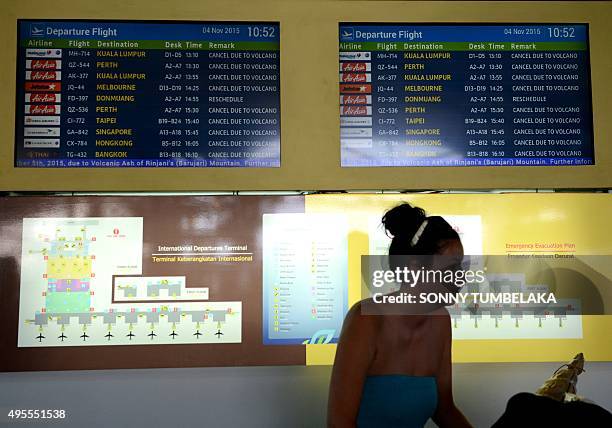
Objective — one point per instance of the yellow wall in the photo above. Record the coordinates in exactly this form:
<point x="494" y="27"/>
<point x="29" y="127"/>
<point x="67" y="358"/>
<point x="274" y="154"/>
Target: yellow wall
<point x="579" y="219"/>
<point x="310" y="151"/>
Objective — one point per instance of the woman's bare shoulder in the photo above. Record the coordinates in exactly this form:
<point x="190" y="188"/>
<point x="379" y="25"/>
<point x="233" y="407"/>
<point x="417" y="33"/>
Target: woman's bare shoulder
<point x="358" y="318"/>
<point x="442" y="321"/>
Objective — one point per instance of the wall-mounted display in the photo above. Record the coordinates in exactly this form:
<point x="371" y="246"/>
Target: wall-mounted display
<point x="465" y="95"/>
<point x="147" y="94"/>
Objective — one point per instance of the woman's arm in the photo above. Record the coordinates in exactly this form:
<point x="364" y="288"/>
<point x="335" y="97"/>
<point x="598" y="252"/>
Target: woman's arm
<point x="447" y="415"/>
<point x="354" y="353"/>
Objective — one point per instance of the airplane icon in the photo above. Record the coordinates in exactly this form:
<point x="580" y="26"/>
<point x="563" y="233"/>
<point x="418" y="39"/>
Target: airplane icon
<point x="62" y="337"/>
<point x="218" y="334"/>
<point x="348" y="33"/>
<point x="84" y="336"/>
<point x="36" y="32"/>
<point x="173" y="334"/>
<point x="197" y="334"/>
<point x="40" y="337"/>
<point x="109" y="335"/>
<point x="151" y="335"/>
<point x="130" y="335"/>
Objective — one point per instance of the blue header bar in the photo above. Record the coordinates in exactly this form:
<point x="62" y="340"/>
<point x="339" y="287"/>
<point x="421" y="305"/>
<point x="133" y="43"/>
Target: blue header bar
<point x="463" y="33"/>
<point x="155" y="30"/>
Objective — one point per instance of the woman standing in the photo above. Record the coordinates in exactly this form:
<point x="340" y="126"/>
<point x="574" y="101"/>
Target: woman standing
<point x="395" y="370"/>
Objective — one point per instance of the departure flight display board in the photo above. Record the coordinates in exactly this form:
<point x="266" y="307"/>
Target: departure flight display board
<point x="465" y="95"/>
<point x="147" y="94"/>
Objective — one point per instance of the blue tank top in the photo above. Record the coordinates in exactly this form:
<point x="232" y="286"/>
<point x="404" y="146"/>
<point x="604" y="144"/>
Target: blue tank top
<point x="391" y="401"/>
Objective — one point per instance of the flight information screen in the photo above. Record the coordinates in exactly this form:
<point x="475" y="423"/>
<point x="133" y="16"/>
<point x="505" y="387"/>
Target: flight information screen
<point x="147" y="94"/>
<point x="465" y="95"/>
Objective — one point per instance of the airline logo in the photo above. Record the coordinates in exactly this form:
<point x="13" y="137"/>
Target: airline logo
<point x="43" y="86"/>
<point x="355" y="67"/>
<point x="355" y="99"/>
<point x="36" y="31"/>
<point x="355" y="77"/>
<point x="355" y="111"/>
<point x="355" y="121"/>
<point x="355" y="56"/>
<point x="43" y="98"/>
<point x="43" y="110"/>
<point x="356" y="132"/>
<point x="43" y="75"/>
<point x="355" y="89"/>
<point x="43" y="53"/>
<point x="357" y="143"/>
<point x="41" y="143"/>
<point x="43" y="64"/>
<point x="41" y="132"/>
<point x="42" y="120"/>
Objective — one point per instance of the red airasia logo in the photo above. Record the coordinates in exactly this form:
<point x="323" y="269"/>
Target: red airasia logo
<point x="355" y="110"/>
<point x="355" y="99"/>
<point x="354" y="77"/>
<point x="43" y="64"/>
<point x="354" y="66"/>
<point x="43" y="75"/>
<point x="43" y="98"/>
<point x="41" y="109"/>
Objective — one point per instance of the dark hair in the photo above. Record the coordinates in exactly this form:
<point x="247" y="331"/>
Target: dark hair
<point x="403" y="222"/>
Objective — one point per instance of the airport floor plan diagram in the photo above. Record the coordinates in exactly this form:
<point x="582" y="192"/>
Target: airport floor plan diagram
<point x="82" y="285"/>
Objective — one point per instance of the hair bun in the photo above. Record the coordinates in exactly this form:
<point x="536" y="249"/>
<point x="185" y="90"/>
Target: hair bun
<point x="403" y="220"/>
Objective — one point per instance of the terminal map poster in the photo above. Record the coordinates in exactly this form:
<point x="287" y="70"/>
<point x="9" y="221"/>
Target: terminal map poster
<point x="147" y="94"/>
<point x="465" y="95"/>
<point x="108" y="282"/>
<point x="92" y="282"/>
